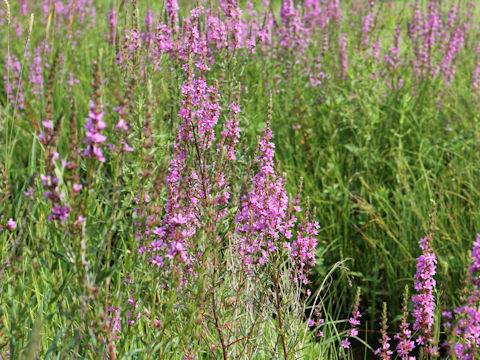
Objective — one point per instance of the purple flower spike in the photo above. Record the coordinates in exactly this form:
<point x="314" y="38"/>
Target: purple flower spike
<point x="94" y="138"/>
<point x="424" y="300"/>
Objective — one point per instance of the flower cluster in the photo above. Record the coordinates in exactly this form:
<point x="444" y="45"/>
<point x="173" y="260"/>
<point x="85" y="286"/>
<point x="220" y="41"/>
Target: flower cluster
<point x="112" y="21"/>
<point x="368" y="23"/>
<point x="405" y="344"/>
<point x="384" y="351"/>
<point x="476" y="84"/>
<point x="36" y="72"/>
<point x="304" y="245"/>
<point x="318" y="322"/>
<point x="93" y="127"/>
<point x="291" y="35"/>
<point x="131" y="45"/>
<point x="436" y="41"/>
<point x="262" y="216"/>
<point x="424" y="300"/>
<point x="14" y="84"/>
<point x="230" y="133"/>
<point x="49" y="136"/>
<point x="353" y="321"/>
<point x="392" y="58"/>
<point x="475" y="267"/>
<point x="464" y="323"/>
<point x="11" y="225"/>
<point x="190" y="191"/>
<point x="59" y="211"/>
<point x="343" y="56"/>
<point x="94" y="123"/>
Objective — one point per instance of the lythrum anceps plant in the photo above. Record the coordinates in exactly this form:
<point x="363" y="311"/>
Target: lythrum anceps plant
<point x="231" y="260"/>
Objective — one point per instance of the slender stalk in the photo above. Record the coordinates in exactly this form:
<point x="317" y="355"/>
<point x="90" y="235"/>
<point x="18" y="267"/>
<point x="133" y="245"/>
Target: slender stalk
<point x="112" y="222"/>
<point x="277" y="306"/>
<point x="8" y="15"/>
<point x="214" y="311"/>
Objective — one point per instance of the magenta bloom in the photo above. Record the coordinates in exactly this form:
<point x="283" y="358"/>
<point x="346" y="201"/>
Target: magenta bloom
<point x="384" y="350"/>
<point x="405" y="345"/>
<point x="475" y="267"/>
<point x="77" y="187"/>
<point x="354" y="321"/>
<point x="35" y="75"/>
<point x="424" y="301"/>
<point x="304" y="246"/>
<point x="262" y="217"/>
<point x="12" y="225"/>
<point x="476" y="84"/>
<point x="190" y="190"/>
<point x="343" y="55"/>
<point x="14" y="85"/>
<point x="94" y="138"/>
<point x="465" y="331"/>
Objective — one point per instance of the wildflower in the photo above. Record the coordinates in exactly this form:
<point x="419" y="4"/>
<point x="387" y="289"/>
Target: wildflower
<point x="14" y="85"/>
<point x="405" y="345"/>
<point x="94" y="137"/>
<point x="465" y="331"/>
<point x="199" y="113"/>
<point x="368" y="24"/>
<point x="94" y="122"/>
<point x="77" y="187"/>
<point x="36" y="72"/>
<point x="384" y="351"/>
<point x="353" y="321"/>
<point x="424" y="301"/>
<point x="262" y="217"/>
<point x="305" y="244"/>
<point x="231" y="133"/>
<point x="12" y="225"/>
<point x="475" y="267"/>
<point x="343" y="56"/>
<point x="172" y="11"/>
<point x="112" y="21"/>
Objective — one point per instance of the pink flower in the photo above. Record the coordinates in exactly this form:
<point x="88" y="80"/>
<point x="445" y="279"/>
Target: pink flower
<point x="424" y="301"/>
<point x="343" y="56"/>
<point x="77" y="187"/>
<point x="384" y="351"/>
<point x="12" y="225"/>
<point x="94" y="125"/>
<point x="48" y="124"/>
<point x="354" y="321"/>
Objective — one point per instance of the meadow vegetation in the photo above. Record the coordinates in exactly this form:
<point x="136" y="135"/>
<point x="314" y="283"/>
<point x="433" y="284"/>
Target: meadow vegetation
<point x="229" y="179"/>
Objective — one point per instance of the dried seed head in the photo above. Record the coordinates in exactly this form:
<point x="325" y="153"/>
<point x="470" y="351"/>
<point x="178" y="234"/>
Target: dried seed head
<point x="199" y="319"/>
<point x="299" y="189"/>
<point x="7" y="8"/>
<point x="30" y="26"/>
<point x="49" y="23"/>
